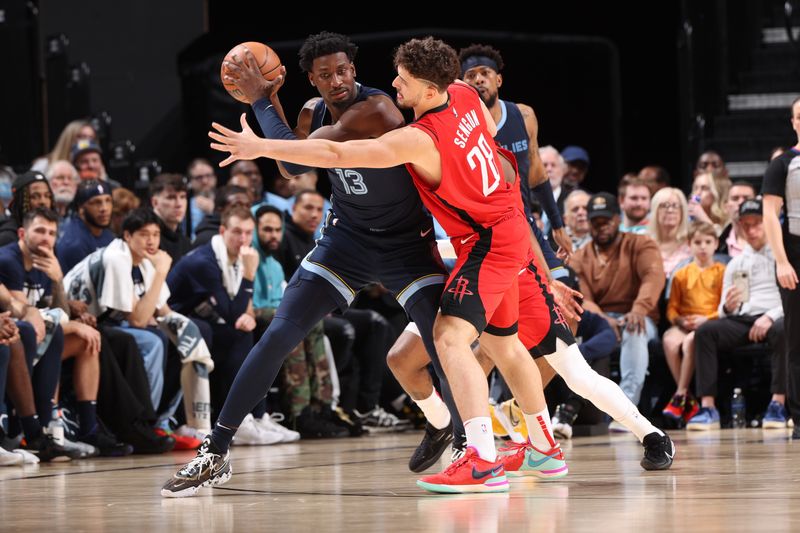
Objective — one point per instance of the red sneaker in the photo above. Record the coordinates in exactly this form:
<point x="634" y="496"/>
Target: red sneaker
<point x="691" y="409"/>
<point x="527" y="460"/>
<point x="181" y="442"/>
<point x="468" y="474"/>
<point x="676" y="407"/>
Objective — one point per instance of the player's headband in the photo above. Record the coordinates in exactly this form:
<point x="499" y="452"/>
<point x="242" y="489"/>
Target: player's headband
<point x="478" y="61"/>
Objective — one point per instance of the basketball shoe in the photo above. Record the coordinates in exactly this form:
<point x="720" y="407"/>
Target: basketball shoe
<point x="658" y="452"/>
<point x="433" y="445"/>
<point x="468" y="474"/>
<point x="526" y="460"/>
<point x="206" y="469"/>
<point x="675" y="409"/>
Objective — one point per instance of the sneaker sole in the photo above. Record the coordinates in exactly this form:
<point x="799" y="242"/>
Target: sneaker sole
<point x="500" y="485"/>
<point x="541" y="474"/>
<point x="191" y="491"/>
<point x="702" y="427"/>
<point x="774" y="424"/>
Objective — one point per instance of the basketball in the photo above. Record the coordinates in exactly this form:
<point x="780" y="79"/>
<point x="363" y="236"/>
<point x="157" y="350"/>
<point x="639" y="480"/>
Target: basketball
<point x="267" y="61"/>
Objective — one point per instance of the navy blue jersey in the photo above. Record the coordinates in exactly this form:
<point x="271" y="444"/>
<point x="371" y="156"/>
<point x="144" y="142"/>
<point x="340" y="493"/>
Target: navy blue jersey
<point x="34" y="283"/>
<point x="78" y="242"/>
<point x="512" y="135"/>
<point x="196" y="288"/>
<point x="372" y="199"/>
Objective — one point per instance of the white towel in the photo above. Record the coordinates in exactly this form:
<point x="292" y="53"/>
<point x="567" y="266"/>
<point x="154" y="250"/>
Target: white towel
<point x="231" y="272"/>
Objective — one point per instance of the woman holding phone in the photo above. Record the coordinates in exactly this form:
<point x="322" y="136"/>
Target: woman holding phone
<point x="781" y="190"/>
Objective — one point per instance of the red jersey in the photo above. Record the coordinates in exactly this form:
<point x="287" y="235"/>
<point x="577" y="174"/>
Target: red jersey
<point x="473" y="193"/>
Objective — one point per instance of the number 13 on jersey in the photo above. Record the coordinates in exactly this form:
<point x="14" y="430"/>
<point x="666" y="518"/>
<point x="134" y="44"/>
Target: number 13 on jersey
<point x="482" y="155"/>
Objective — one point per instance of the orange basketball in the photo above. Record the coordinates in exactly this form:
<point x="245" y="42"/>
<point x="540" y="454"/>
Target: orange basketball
<point x="267" y="60"/>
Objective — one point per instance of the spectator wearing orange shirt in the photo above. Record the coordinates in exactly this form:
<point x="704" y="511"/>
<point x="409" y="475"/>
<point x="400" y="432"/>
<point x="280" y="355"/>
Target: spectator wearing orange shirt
<point x="694" y="299"/>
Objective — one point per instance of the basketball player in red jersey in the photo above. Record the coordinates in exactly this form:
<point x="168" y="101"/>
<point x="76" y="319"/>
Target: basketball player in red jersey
<point x="460" y="177"/>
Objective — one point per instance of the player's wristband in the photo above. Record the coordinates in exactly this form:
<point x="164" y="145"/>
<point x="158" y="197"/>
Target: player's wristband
<point x="274" y="128"/>
<point x="544" y="193"/>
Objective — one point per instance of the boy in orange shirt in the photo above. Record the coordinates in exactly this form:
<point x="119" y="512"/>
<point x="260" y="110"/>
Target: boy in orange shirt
<point x="694" y="299"/>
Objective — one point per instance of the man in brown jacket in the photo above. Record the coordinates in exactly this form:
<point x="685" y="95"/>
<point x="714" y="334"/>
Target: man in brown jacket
<point x="621" y="277"/>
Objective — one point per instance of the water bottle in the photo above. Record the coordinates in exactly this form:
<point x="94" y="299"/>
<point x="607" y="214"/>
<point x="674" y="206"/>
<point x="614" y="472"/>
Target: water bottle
<point x="738" y="409"/>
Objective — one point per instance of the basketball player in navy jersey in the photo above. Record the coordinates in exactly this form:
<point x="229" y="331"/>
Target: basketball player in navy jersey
<point x="460" y="175"/>
<point x="376" y="230"/>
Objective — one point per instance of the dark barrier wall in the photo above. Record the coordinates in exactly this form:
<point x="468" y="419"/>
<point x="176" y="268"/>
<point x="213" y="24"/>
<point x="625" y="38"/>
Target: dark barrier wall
<point x="613" y="90"/>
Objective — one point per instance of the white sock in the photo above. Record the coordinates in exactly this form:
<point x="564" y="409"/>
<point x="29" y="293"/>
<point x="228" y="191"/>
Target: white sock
<point x="435" y="410"/>
<point x="540" y="430"/>
<point x="639" y="425"/>
<point x="481" y="437"/>
<point x="601" y="391"/>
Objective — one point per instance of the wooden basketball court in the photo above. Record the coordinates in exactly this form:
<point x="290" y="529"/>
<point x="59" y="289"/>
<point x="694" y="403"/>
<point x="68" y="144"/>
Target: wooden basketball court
<point x="729" y="480"/>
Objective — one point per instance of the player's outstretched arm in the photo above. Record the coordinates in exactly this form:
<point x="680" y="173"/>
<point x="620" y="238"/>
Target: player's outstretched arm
<point x="405" y="145"/>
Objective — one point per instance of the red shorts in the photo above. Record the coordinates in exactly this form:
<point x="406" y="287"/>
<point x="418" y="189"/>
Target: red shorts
<point x="540" y="319"/>
<point x="483" y="287"/>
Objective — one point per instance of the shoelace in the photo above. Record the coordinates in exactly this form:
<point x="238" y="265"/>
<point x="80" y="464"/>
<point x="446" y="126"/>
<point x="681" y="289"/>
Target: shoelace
<point x="457" y="462"/>
<point x="195" y="466"/>
<point x="458" y="453"/>
<point x="514" y="447"/>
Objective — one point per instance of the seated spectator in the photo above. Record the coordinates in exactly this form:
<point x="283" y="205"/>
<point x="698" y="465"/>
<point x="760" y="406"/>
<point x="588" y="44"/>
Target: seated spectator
<point x="250" y="170"/>
<point x="203" y="183"/>
<point x="731" y="240"/>
<point x="30" y="271"/>
<point x="125" y="285"/>
<point x="240" y="180"/>
<point x="87" y="229"/>
<point x="707" y="203"/>
<point x="307" y="382"/>
<point x="669" y="226"/>
<point x="693" y="300"/>
<point x="29" y="191"/>
<point x="87" y="156"/>
<point x="7" y="177"/>
<point x="655" y="177"/>
<point x="77" y="130"/>
<point x="555" y="167"/>
<point x="634" y="200"/>
<point x="64" y="181"/>
<point x="575" y="219"/>
<point x="225" y="198"/>
<point x="169" y="203"/>
<point x="750" y="312"/>
<point x="213" y="286"/>
<point x="710" y="162"/>
<point x="298" y="236"/>
<point x="32" y="393"/>
<point x="281" y="196"/>
<point x="124" y="201"/>
<point x="577" y="165"/>
<point x="621" y="277"/>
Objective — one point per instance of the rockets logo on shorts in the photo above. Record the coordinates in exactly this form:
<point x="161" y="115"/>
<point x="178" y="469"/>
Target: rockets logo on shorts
<point x="460" y="289"/>
<point x="559" y="317"/>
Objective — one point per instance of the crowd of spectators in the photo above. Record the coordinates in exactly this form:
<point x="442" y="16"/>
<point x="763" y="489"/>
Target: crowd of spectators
<point x="124" y="319"/>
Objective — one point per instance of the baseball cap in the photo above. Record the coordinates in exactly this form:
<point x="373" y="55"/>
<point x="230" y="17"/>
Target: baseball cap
<point x="89" y="189"/>
<point x="575" y="153"/>
<point x="84" y="146"/>
<point x="602" y="204"/>
<point x="750" y="207"/>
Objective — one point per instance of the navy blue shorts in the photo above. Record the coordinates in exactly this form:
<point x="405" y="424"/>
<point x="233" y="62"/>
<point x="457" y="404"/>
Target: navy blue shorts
<point x="350" y="259"/>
